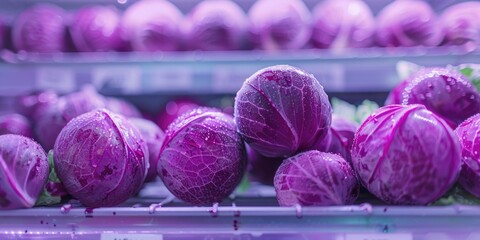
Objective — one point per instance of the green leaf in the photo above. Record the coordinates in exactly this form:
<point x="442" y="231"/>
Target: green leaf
<point x="350" y="112"/>
<point x="52" y="176"/>
<point x="244" y="184"/>
<point x="457" y="195"/>
<point x="364" y="110"/>
<point x="344" y="109"/>
<point x="472" y="72"/>
<point x="405" y="69"/>
<point x="466" y="71"/>
<point x="45" y="197"/>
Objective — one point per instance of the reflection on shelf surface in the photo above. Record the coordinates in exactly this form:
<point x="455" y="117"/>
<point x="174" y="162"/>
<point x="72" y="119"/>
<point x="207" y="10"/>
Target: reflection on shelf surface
<point x="254" y="214"/>
<point x="360" y="70"/>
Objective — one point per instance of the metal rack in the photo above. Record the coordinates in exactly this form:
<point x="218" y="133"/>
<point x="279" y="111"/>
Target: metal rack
<point x="251" y="215"/>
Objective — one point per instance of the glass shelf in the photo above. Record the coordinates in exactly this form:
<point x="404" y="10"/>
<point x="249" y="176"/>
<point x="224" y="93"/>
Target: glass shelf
<point x="361" y="70"/>
<point x="251" y="215"/>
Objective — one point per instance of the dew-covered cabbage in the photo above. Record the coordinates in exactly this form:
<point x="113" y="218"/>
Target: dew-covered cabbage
<point x="96" y="29"/>
<point x="122" y="107"/>
<point x="217" y="25"/>
<point x="41" y="28"/>
<point x="332" y="143"/>
<point x="174" y="109"/>
<point x="28" y="104"/>
<point x="345" y="129"/>
<point x="315" y="178"/>
<point x="154" y="137"/>
<point x="343" y="24"/>
<point x="405" y="154"/>
<point x="339" y="138"/>
<point x="51" y="118"/>
<point x="203" y="157"/>
<point x="14" y="123"/>
<point x="461" y="23"/>
<point x="101" y="158"/>
<point x="23" y="171"/>
<point x="395" y="96"/>
<point x="277" y="25"/>
<point x="260" y="168"/>
<point x="281" y="110"/>
<point x="405" y="71"/>
<point x="153" y="25"/>
<point x="409" y="23"/>
<point x="445" y="92"/>
<point x="468" y="134"/>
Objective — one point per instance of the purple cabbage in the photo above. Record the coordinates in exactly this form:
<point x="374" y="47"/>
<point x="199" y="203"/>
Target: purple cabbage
<point x="23" y="171"/>
<point x="216" y="25"/>
<point x="153" y="25"/>
<point x="260" y="168"/>
<point x="180" y="120"/>
<point x="281" y="110"/>
<point x="461" y="23"/>
<point x="81" y="102"/>
<point x="174" y="109"/>
<point x="28" y="104"/>
<point x="345" y="129"/>
<point x="51" y="118"/>
<point x="405" y="154"/>
<point x="122" y="107"/>
<point x="49" y="122"/>
<point x="154" y="137"/>
<point x="339" y="138"/>
<point x="343" y="24"/>
<point x="395" y="96"/>
<point x="409" y="23"/>
<point x="315" y="178"/>
<point x="41" y="28"/>
<point x="96" y="29"/>
<point x="444" y="92"/>
<point x="278" y="25"/>
<point x="468" y="134"/>
<point x="202" y="158"/>
<point x="14" y="123"/>
<point x="101" y="158"/>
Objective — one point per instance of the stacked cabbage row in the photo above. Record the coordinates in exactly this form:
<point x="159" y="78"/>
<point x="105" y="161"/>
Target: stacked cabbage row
<point x="44" y="116"/>
<point x="409" y="152"/>
<point x="404" y="153"/>
<point x="157" y="25"/>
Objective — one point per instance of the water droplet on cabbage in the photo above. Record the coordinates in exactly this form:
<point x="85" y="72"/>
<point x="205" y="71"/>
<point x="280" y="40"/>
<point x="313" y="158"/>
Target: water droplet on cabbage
<point x="448" y="88"/>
